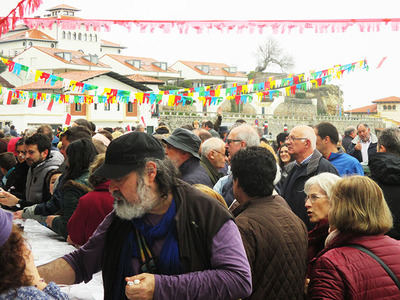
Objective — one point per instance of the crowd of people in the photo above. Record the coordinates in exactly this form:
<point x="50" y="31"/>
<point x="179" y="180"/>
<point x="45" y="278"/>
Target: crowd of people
<point x="203" y="213"/>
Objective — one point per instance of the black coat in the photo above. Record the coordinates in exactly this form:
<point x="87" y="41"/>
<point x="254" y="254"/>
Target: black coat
<point x="372" y="148"/>
<point x="385" y="171"/>
<point x="292" y="188"/>
<point x="16" y="181"/>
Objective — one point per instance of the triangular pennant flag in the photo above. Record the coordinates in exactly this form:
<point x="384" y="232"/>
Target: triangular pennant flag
<point x="68" y="119"/>
<point x="30" y="103"/>
<point x="50" y="106"/>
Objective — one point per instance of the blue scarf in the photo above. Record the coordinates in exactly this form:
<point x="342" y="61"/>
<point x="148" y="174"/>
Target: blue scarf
<point x="168" y="262"/>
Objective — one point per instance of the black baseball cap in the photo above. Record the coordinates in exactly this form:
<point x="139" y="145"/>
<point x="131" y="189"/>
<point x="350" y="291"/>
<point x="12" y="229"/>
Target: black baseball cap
<point x="125" y="153"/>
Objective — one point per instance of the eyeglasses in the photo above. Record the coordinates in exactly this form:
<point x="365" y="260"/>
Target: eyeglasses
<point x="222" y="153"/>
<point x="314" y="197"/>
<point x="292" y="138"/>
<point x="229" y="141"/>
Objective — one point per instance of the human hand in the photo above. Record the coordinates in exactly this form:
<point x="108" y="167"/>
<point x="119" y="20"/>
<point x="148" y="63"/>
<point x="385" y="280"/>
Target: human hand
<point x="358" y="147"/>
<point x="142" y="291"/>
<point x="8" y="199"/>
<point x="18" y="214"/>
<point x="49" y="220"/>
<point x="219" y="110"/>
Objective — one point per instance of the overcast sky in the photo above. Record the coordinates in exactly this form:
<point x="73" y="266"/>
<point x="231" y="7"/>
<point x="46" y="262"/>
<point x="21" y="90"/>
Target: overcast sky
<point x="310" y="51"/>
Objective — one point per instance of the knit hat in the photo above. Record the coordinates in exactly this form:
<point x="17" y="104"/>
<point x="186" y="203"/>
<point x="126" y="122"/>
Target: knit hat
<point x="5" y="226"/>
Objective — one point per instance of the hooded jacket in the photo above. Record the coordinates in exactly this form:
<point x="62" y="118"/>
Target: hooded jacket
<point x="385" y="171"/>
<point x="36" y="188"/>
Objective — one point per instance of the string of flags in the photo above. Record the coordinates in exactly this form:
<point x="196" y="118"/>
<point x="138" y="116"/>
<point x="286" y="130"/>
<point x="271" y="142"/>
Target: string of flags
<point x="87" y="93"/>
<point x="200" y="26"/>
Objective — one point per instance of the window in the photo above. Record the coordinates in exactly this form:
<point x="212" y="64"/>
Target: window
<point x="90" y="37"/>
<point x="95" y="106"/>
<point x="85" y="37"/>
<point x="52" y="45"/>
<point x="30" y="44"/>
<point x="78" y="107"/>
<point x="118" y="107"/>
<point x="394" y="107"/>
<point x="74" y="36"/>
<point x="389" y="107"/>
<point x="63" y="35"/>
<point x="230" y="69"/>
<point x="384" y="107"/>
<point x="107" y="106"/>
<point x="161" y="65"/>
<point x="24" y="44"/>
<point x="130" y="107"/>
<point x="80" y="36"/>
<point x="134" y="62"/>
<point x="65" y="55"/>
<point x="69" y="35"/>
<point x="204" y="68"/>
<point x="95" y="37"/>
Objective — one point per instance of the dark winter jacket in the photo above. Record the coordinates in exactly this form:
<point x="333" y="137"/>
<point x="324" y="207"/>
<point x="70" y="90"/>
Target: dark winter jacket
<point x="292" y="188"/>
<point x="372" y="148"/>
<point x="275" y="241"/>
<point x="72" y="191"/>
<point x="90" y="212"/>
<point x="192" y="172"/>
<point x="385" y="171"/>
<point x="16" y="181"/>
<point x="340" y="272"/>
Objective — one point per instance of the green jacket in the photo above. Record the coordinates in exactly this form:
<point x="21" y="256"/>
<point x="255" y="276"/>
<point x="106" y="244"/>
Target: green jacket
<point x="211" y="171"/>
<point x="72" y="191"/>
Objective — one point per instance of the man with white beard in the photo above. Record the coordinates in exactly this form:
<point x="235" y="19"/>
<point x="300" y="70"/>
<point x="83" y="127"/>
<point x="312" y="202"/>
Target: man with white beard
<point x="164" y="240"/>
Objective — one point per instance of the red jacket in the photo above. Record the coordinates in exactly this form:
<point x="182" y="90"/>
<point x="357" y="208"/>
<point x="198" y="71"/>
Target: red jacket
<point x="90" y="212"/>
<point x="340" y="272"/>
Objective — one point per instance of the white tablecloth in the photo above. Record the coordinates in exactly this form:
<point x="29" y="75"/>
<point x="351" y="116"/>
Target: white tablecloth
<point x="47" y="246"/>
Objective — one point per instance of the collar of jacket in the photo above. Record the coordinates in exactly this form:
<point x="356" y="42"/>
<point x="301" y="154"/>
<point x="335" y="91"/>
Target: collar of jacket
<point x="242" y="207"/>
<point x="210" y="168"/>
<point x="373" y="139"/>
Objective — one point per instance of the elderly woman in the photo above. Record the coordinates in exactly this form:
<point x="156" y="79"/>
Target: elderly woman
<point x="318" y="190"/>
<point x="358" y="215"/>
<point x="19" y="278"/>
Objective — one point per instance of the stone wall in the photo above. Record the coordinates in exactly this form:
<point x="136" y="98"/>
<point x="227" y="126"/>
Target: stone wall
<point x="275" y="123"/>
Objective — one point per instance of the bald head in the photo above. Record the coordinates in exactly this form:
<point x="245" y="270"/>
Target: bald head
<point x="307" y="132"/>
<point x="301" y="142"/>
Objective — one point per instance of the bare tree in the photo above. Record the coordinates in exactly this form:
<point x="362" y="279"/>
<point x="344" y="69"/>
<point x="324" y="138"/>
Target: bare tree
<point x="271" y="53"/>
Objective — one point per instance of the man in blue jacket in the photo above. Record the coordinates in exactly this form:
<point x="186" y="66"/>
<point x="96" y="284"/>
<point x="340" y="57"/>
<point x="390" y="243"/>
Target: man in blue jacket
<point x="327" y="140"/>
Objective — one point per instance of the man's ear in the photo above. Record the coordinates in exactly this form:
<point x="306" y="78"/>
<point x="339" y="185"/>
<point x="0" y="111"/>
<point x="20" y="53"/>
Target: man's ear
<point x="151" y="170"/>
<point x="45" y="153"/>
<point x="381" y="148"/>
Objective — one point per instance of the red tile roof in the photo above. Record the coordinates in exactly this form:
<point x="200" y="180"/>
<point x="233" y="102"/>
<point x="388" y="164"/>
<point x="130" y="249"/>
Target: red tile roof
<point x="146" y="63"/>
<point x="392" y="99"/>
<point x="364" y="110"/>
<point x="110" y="44"/>
<point x="28" y="34"/>
<point x="73" y="75"/>
<point x="62" y="6"/>
<point x="77" y="57"/>
<point x="215" y="69"/>
<point x="145" y="79"/>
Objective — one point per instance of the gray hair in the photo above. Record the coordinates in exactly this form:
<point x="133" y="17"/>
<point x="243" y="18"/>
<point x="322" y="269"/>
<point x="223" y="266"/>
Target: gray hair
<point x="247" y="134"/>
<point x="390" y="139"/>
<point x="349" y="130"/>
<point x="210" y="144"/>
<point x="324" y="180"/>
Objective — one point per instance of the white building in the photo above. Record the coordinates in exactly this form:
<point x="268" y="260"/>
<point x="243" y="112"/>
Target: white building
<point x="103" y="115"/>
<point x="82" y="39"/>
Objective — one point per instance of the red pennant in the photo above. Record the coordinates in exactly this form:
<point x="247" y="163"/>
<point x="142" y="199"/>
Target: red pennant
<point x="144" y="123"/>
<point x="68" y="119"/>
<point x="50" y="106"/>
<point x="128" y="128"/>
<point x="237" y="99"/>
<point x="9" y="97"/>
<point x="30" y="103"/>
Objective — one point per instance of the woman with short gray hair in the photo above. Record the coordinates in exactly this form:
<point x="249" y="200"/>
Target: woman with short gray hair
<point x="318" y="191"/>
